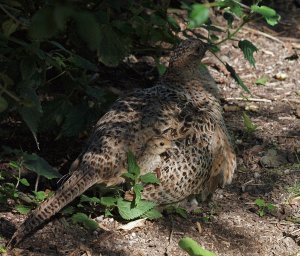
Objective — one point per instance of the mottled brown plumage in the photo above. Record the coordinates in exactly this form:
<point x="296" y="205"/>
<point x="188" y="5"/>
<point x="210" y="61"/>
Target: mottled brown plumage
<point x="183" y="108"/>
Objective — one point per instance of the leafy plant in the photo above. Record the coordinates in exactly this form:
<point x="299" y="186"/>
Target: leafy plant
<point x="193" y="248"/>
<point x="250" y="127"/>
<point x="261" y="81"/>
<point x="264" y="207"/>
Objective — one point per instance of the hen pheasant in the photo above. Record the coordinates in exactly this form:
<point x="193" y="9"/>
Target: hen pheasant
<point x="183" y="108"/>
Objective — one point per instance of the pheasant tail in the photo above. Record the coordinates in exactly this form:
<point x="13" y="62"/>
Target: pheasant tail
<point x="73" y="187"/>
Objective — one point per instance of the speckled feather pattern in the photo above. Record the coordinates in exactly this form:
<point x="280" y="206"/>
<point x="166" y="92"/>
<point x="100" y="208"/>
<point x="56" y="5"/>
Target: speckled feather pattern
<point x="182" y="108"/>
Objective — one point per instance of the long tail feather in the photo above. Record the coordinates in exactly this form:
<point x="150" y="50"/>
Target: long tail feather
<point x="73" y="187"/>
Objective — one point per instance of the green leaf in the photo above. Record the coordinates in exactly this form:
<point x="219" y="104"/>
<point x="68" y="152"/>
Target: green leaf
<point x="248" y="123"/>
<point x="112" y="47"/>
<point x="40" y="195"/>
<point x="137" y="189"/>
<point x="149" y="177"/>
<point x="24" y="182"/>
<point x="40" y="166"/>
<point x="14" y="165"/>
<point x="83" y="219"/>
<point x="128" y="212"/>
<point x="84" y="198"/>
<point x="88" y="28"/>
<point x="9" y="27"/>
<point x="31" y="110"/>
<point x="198" y="16"/>
<point x="23" y="209"/>
<point x="268" y="13"/>
<point x="248" y="49"/>
<point x="27" y="67"/>
<point x="67" y="210"/>
<point x="232" y="6"/>
<point x="75" y="120"/>
<point x="193" y="248"/>
<point x="43" y="25"/>
<point x="229" y="18"/>
<point x="161" y="68"/>
<point x="261" y="81"/>
<point x="152" y="214"/>
<point x="82" y="63"/>
<point x="260" y="202"/>
<point x="270" y="207"/>
<point x="237" y="78"/>
<point x="108" y="201"/>
<point x="182" y="212"/>
<point x="95" y="92"/>
<point x="133" y="167"/>
<point x="3" y="104"/>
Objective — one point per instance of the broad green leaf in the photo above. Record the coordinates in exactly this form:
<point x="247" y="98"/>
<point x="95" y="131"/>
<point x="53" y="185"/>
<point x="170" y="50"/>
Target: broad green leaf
<point x="40" y="195"/>
<point x="193" y="248"/>
<point x="23" y="209"/>
<point x="3" y="104"/>
<point x="40" y="166"/>
<point x="128" y="212"/>
<point x="112" y="48"/>
<point x="107" y="213"/>
<point x="129" y="176"/>
<point x="83" y="219"/>
<point x="248" y="49"/>
<point x="43" y="25"/>
<point x="108" y="201"/>
<point x="14" y="165"/>
<point x="133" y="167"/>
<point x="88" y="28"/>
<point x="149" y="177"/>
<point x="198" y="16"/>
<point x="261" y="81"/>
<point x="95" y="92"/>
<point x="248" y="123"/>
<point x="31" y="110"/>
<point x="161" y="68"/>
<point x="61" y="14"/>
<point x="237" y="78"/>
<point x="173" y="23"/>
<point x="67" y="210"/>
<point x="82" y="63"/>
<point x="84" y="198"/>
<point x="9" y="27"/>
<point x="231" y="6"/>
<point x="268" y="13"/>
<point x="182" y="212"/>
<point x="260" y="202"/>
<point x="27" y="67"/>
<point x="75" y="120"/>
<point x="152" y="214"/>
<point x="270" y="207"/>
<point x="24" y="182"/>
<point x="229" y="17"/>
<point x="137" y="189"/>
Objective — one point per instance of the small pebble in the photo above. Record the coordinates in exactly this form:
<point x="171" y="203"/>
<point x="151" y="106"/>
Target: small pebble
<point x="256" y="175"/>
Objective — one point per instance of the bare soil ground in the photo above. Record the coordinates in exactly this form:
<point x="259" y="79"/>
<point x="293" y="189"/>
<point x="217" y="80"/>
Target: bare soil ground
<point x="268" y="166"/>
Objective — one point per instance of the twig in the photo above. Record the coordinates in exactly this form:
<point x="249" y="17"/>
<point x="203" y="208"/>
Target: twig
<point x="36" y="183"/>
<point x="170" y="236"/>
<point x="249" y="99"/>
<point x="264" y="34"/>
<point x="9" y="14"/>
<point x="295" y="231"/>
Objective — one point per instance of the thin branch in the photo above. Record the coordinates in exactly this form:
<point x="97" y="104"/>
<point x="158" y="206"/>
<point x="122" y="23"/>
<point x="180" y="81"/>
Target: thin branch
<point x="10" y="94"/>
<point x="249" y="99"/>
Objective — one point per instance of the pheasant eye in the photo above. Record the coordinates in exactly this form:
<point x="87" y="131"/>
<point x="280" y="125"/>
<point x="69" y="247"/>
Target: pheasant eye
<point x="162" y="144"/>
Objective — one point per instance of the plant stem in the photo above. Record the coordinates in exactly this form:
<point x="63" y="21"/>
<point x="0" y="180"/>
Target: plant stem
<point x="10" y="94"/>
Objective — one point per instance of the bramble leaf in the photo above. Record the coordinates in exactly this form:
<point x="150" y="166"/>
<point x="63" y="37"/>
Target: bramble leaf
<point x="248" y="49"/>
<point x="237" y="78"/>
<point x="198" y="16"/>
